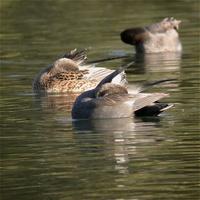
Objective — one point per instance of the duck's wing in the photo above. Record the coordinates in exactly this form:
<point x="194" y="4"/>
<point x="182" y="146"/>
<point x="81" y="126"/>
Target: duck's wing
<point x="104" y="75"/>
<point x="146" y="99"/>
<point x="114" y="74"/>
<point x="121" y="105"/>
<point x="113" y="100"/>
<point x="136" y="101"/>
<point x="99" y="73"/>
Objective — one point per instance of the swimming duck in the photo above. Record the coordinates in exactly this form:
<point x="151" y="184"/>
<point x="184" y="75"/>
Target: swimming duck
<point x="154" y="38"/>
<point x="71" y="74"/>
<point x="108" y="100"/>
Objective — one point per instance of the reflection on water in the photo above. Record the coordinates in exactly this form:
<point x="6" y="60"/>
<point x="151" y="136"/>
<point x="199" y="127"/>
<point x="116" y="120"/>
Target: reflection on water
<point x="124" y="124"/>
<point x="56" y="102"/>
<point x="162" y="62"/>
<point x="155" y="62"/>
<point x="46" y="155"/>
<point x="121" y="135"/>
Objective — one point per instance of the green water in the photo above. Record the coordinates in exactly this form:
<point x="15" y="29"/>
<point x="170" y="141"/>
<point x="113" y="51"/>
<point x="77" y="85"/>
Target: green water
<point x="45" y="155"/>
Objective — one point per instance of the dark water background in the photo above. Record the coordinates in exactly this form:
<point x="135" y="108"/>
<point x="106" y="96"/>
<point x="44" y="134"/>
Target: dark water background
<point x="44" y="155"/>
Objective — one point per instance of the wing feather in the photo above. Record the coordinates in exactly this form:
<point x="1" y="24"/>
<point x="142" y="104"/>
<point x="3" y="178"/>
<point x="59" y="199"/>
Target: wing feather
<point x="146" y="99"/>
<point x="135" y="101"/>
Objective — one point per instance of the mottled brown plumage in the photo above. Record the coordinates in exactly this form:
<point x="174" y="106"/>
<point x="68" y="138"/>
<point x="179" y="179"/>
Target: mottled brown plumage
<point x="70" y="74"/>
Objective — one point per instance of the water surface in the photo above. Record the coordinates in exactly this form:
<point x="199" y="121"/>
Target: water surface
<point x="45" y="155"/>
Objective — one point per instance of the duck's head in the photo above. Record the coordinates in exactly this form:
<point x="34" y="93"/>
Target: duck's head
<point x="133" y="36"/>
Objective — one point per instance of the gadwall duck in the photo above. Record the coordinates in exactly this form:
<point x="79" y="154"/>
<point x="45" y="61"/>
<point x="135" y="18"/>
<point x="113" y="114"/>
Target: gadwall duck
<point x="158" y="37"/>
<point x="109" y="100"/>
<point x="72" y="74"/>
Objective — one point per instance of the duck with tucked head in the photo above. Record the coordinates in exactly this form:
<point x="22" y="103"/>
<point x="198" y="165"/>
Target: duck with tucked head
<point x="108" y="100"/>
<point x="71" y="74"/>
<point x="154" y="38"/>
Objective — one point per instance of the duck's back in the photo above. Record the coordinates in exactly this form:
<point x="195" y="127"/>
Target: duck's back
<point x="162" y="42"/>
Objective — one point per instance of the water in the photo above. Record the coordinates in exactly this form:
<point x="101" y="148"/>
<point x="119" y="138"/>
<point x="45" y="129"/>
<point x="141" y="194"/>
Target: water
<point x="45" y="155"/>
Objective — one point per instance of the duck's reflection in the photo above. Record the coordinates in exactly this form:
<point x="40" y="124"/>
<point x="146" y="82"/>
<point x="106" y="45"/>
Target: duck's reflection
<point x="156" y="62"/>
<point x="121" y="136"/>
<point x="118" y="124"/>
<point x="125" y="124"/>
<point x="56" y="102"/>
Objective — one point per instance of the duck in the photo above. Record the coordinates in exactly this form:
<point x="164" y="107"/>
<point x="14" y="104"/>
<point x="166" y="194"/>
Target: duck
<point x="71" y="74"/>
<point x="155" y="38"/>
<point x="110" y="100"/>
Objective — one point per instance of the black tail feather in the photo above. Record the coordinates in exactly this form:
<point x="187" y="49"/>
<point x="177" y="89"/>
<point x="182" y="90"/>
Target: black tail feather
<point x="153" y="110"/>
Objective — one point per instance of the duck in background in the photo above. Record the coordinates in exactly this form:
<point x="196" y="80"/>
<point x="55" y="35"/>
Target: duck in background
<point x="154" y="38"/>
<point x="72" y="74"/>
<point x="109" y="100"/>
